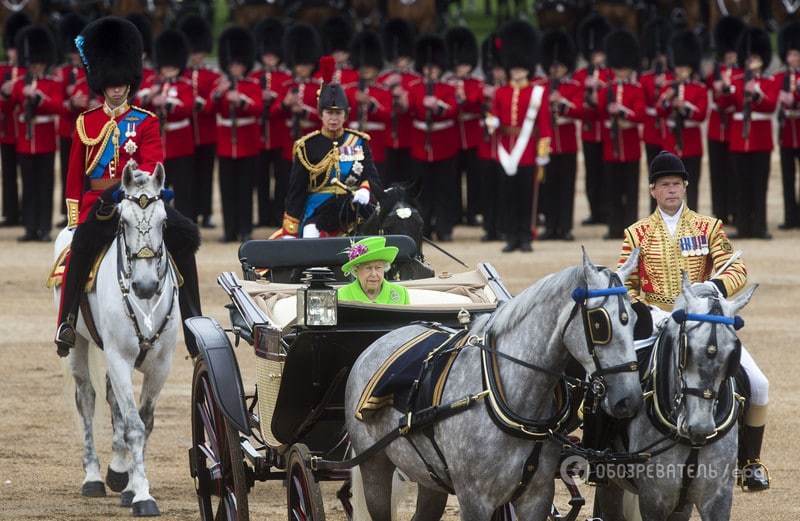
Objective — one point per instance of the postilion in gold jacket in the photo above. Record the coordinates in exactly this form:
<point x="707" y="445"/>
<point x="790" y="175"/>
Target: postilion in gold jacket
<point x="699" y="247"/>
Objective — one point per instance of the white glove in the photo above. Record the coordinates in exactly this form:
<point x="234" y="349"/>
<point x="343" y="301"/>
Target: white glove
<point x="310" y="231"/>
<point x="542" y="160"/>
<point x="492" y="123"/>
<point x="361" y="196"/>
<point x="285" y="237"/>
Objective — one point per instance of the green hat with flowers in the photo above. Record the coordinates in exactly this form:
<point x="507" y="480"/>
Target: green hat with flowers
<point x="367" y="250"/>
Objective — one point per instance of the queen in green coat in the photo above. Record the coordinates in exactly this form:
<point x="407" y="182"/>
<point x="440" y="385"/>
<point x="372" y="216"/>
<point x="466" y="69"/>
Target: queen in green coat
<point x="368" y="261"/>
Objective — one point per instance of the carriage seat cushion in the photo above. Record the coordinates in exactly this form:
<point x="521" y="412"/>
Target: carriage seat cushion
<point x="393" y="384"/>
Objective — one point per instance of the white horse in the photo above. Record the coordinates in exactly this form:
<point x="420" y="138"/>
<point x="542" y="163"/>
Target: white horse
<point x="135" y="316"/>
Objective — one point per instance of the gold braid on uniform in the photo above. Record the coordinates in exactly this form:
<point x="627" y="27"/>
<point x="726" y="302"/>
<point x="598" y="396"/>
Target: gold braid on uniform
<point x="109" y="129"/>
<point x="315" y="170"/>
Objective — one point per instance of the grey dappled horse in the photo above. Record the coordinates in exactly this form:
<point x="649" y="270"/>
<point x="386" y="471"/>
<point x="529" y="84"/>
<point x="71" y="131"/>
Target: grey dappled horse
<point x="710" y="357"/>
<point x="143" y="285"/>
<point x="485" y="463"/>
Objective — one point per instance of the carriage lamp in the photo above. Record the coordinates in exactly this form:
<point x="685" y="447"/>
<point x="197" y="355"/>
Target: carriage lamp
<point x="317" y="300"/>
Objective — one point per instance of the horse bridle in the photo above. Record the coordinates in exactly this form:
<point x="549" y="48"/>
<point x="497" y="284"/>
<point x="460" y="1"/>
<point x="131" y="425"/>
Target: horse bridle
<point x="716" y="318"/>
<point x="599" y="332"/>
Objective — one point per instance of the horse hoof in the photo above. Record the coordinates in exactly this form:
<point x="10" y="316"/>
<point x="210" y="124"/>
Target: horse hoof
<point x="93" y="489"/>
<point x="146" y="508"/>
<point x="116" y="481"/>
<point x="126" y="498"/>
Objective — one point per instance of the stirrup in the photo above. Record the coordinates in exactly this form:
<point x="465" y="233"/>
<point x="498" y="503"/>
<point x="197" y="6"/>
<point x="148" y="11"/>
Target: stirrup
<point x="753" y="476"/>
<point x="65" y="338"/>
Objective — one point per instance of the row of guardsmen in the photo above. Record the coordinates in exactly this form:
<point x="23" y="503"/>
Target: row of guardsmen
<point x="433" y="114"/>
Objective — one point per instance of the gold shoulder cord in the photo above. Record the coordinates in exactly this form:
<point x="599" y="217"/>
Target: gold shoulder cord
<point x="318" y="169"/>
<point x="108" y="130"/>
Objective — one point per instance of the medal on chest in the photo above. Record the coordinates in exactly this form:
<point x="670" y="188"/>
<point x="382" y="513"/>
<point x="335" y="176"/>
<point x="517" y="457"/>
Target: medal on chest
<point x="694" y="246"/>
<point x="130" y="132"/>
<point x="351" y="153"/>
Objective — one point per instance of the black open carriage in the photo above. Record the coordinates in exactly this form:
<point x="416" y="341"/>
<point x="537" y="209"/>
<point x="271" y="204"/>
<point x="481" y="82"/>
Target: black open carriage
<point x="303" y="349"/>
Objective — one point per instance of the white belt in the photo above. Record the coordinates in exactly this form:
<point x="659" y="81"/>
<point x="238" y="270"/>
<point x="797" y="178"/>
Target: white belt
<point x="239" y="122"/>
<point x="40" y="120"/>
<point x="622" y="124"/>
<point x="368" y="125"/>
<point x="755" y="116"/>
<point x="686" y="124"/>
<point x="177" y="125"/>
<point x="650" y="111"/>
<point x="466" y="116"/>
<point x="435" y="126"/>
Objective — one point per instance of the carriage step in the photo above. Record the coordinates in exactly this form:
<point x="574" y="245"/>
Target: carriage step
<point x="93" y="489"/>
<point x="116" y="481"/>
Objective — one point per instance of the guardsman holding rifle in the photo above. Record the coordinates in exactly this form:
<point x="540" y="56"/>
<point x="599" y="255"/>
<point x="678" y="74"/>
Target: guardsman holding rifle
<point x="9" y="72"/>
<point x="237" y="101"/>
<point x="789" y="121"/>
<point x="655" y="43"/>
<point x="622" y="107"/>
<point x="754" y="96"/>
<point x="204" y="125"/>
<point x="39" y="100"/>
<point x="683" y="105"/>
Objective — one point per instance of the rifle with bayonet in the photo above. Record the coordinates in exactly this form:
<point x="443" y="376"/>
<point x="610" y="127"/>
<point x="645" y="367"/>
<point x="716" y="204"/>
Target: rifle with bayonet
<point x="788" y="87"/>
<point x="614" y="91"/>
<point x="555" y="107"/>
<point x="233" y="109"/>
<point x="266" y="85"/>
<point x="31" y="102"/>
<point x="363" y="109"/>
<point x="297" y="90"/>
<point x="747" y="108"/>
<point x="679" y="117"/>
<point x="429" y="88"/>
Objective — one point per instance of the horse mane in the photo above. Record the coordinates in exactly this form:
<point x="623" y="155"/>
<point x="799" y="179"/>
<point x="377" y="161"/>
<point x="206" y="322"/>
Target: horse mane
<point x="539" y="297"/>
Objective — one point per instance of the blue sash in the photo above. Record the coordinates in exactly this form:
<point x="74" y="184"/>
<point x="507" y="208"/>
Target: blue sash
<point x="316" y="199"/>
<point x="133" y="116"/>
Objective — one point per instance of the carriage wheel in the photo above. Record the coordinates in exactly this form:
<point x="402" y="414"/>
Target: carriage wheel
<point x="303" y="495"/>
<point x="217" y="462"/>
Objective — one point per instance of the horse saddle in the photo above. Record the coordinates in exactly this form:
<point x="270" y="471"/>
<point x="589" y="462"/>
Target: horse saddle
<point x="413" y="377"/>
<point x="56" y="276"/>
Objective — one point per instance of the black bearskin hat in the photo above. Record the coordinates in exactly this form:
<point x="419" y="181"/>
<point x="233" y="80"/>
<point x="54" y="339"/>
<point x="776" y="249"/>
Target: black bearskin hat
<point x="686" y="50"/>
<point x="430" y="49"/>
<point x="558" y="47"/>
<point x="655" y="38"/>
<point x="69" y="28"/>
<point x="197" y="32"/>
<point x="172" y="49"/>
<point x="269" y="37"/>
<point x="398" y="39"/>
<point x="789" y="39"/>
<point x="142" y="23"/>
<point x="726" y="34"/>
<point x="14" y="24"/>
<point x="301" y="45"/>
<point x="754" y="41"/>
<point x="111" y="50"/>
<point x="519" y="46"/>
<point x="366" y="50"/>
<point x="331" y="96"/>
<point x="592" y="31"/>
<point x="35" y="44"/>
<point x="337" y="34"/>
<point x="236" y="45"/>
<point x="490" y="55"/>
<point x="622" y="50"/>
<point x="462" y="47"/>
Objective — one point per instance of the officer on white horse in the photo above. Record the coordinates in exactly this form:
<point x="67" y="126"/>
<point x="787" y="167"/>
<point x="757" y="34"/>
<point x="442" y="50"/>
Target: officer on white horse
<point x="107" y="139"/>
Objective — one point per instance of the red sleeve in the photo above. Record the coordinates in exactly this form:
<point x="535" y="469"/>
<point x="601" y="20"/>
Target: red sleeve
<point x="574" y="95"/>
<point x="183" y="104"/>
<point x="150" y="151"/>
<point x="205" y="87"/>
<point x="637" y="106"/>
<point x="381" y="105"/>
<point x="700" y="101"/>
<point x="254" y="102"/>
<point x="474" y="97"/>
<point x="769" y="100"/>
<point x="76" y="170"/>
<point x="448" y="97"/>
<point x="543" y="126"/>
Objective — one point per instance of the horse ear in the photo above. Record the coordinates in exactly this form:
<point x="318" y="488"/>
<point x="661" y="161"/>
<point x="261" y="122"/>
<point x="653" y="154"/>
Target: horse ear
<point x="743" y="298"/>
<point x="629" y="267"/>
<point x="686" y="285"/>
<point x="588" y="265"/>
<point x="127" y="177"/>
<point x="159" y="176"/>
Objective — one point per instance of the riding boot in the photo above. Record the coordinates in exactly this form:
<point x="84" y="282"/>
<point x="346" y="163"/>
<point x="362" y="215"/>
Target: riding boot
<point x="182" y="239"/>
<point x="754" y="475"/>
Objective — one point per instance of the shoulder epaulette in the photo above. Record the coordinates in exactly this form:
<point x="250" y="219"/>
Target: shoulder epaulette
<point x="301" y="142"/>
<point x="140" y="109"/>
<point x="87" y="111"/>
<point x="359" y="133"/>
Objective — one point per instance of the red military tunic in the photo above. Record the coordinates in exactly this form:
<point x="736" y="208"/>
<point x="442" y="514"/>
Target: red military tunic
<point x="631" y="96"/>
<point x="177" y="134"/>
<point x="470" y="112"/>
<point x="591" y="128"/>
<point x="244" y="127"/>
<point x="274" y="132"/>
<point x="759" y="138"/>
<point x="510" y="106"/>
<point x="305" y="122"/>
<point x="439" y="141"/>
<point x="487" y="146"/>
<point x="93" y="144"/>
<point x="376" y="119"/>
<point x="789" y="116"/>
<point x="654" y="128"/>
<point x="204" y="119"/>
<point x="8" y="128"/>
<point x="567" y="116"/>
<point x="719" y="118"/>
<point x="70" y="76"/>
<point x="43" y="133"/>
<point x="401" y="120"/>
<point x="344" y="76"/>
<point x="695" y="94"/>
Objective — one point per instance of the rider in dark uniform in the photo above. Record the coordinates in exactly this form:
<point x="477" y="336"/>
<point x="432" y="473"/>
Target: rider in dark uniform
<point x="111" y="49"/>
<point x="333" y="177"/>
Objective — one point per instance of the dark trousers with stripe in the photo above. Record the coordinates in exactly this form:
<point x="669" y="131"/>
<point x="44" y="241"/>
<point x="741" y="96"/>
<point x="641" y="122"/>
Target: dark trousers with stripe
<point x="273" y="170"/>
<point x="204" y="175"/>
<point x="469" y="200"/>
<point x="791" y="208"/>
<point x="595" y="193"/>
<point x="517" y="205"/>
<point x="8" y="156"/>
<point x="181" y="177"/>
<point x="492" y="179"/>
<point x="723" y="182"/>
<point x="559" y="190"/>
<point x="37" y="192"/>
<point x="236" y="187"/>
<point x="622" y="192"/>
<point x="752" y="175"/>
<point x="436" y="181"/>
